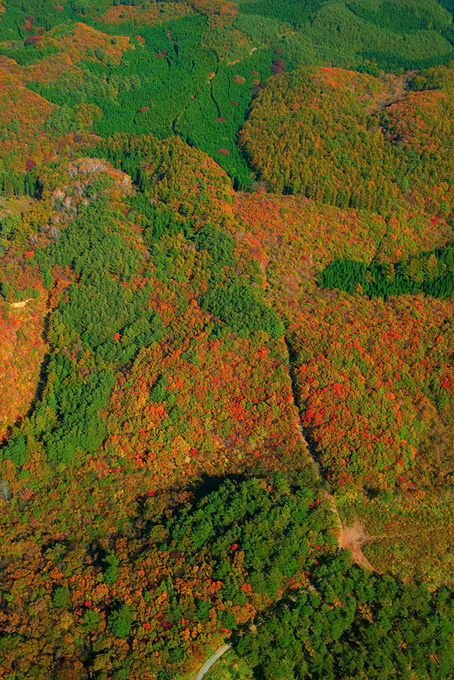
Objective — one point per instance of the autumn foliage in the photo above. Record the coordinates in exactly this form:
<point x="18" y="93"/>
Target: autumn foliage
<point x="202" y="389"/>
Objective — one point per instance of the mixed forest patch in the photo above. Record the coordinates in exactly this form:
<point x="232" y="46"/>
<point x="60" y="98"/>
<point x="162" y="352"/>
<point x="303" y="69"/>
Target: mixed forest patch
<point x="361" y="367"/>
<point x="226" y="338"/>
<point x="317" y="132"/>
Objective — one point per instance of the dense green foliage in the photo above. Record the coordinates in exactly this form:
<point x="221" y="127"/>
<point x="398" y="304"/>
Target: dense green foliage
<point x="293" y="12"/>
<point x="273" y="528"/>
<point x="12" y="184"/>
<point x="213" y="121"/>
<point x="43" y="13"/>
<point x="350" y="624"/>
<point x="408" y="16"/>
<point x="429" y="273"/>
<point x="160" y="75"/>
<point x="237" y="306"/>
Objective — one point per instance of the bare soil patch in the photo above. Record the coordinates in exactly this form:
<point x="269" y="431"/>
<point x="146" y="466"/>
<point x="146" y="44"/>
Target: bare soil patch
<point x="353" y="538"/>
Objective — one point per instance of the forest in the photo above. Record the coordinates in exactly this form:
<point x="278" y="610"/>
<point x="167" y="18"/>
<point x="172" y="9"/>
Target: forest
<point x="226" y="339"/>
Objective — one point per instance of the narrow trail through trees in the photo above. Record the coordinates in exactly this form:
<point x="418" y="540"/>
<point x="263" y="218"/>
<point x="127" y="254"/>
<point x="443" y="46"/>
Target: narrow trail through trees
<point x="212" y="660"/>
<point x="348" y="538"/>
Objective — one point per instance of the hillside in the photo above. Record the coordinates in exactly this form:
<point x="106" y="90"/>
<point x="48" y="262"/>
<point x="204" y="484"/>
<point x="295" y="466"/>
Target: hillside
<point x="226" y="339"/>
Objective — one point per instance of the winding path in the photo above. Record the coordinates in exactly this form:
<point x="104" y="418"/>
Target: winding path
<point x="347" y="537"/>
<point x="212" y="660"/>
